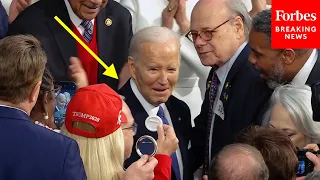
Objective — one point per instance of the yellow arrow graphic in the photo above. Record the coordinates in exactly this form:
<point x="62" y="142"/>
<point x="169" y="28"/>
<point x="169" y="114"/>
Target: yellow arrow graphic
<point x="110" y="71"/>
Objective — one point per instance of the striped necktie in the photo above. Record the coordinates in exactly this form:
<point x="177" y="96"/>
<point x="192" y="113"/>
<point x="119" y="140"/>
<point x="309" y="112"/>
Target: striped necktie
<point x="175" y="163"/>
<point x="88" y="30"/>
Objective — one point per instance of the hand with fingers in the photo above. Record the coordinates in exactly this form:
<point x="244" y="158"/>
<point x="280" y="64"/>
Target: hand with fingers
<point x="181" y="17"/>
<point x="77" y="73"/>
<point x="313" y="147"/>
<point x="143" y="169"/>
<point x="16" y="7"/>
<point x="168" y="14"/>
<point x="167" y="140"/>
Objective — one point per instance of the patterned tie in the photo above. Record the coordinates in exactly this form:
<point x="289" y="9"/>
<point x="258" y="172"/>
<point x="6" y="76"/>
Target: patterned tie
<point x="212" y="96"/>
<point x="88" y="30"/>
<point x="175" y="164"/>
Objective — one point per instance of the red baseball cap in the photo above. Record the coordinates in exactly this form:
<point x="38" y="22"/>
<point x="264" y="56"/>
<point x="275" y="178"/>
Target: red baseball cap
<point x="97" y="105"/>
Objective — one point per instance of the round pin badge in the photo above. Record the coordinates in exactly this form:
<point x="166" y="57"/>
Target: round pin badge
<point x="152" y="122"/>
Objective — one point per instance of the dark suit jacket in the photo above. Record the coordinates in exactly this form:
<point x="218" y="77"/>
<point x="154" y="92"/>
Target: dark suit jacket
<point x="315" y="73"/>
<point x="180" y="117"/>
<point x="32" y="152"/>
<point x="113" y="41"/>
<point x="243" y="100"/>
<point x="3" y="21"/>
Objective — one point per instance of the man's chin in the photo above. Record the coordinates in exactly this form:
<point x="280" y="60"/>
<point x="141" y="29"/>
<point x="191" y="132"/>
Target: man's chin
<point x="273" y="84"/>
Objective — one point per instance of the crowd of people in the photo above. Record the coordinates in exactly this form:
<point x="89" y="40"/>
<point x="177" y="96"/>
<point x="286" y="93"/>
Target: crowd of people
<point x="224" y="104"/>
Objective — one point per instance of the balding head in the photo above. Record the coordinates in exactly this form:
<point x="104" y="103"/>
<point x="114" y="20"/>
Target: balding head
<point x="223" y="25"/>
<point x="237" y="162"/>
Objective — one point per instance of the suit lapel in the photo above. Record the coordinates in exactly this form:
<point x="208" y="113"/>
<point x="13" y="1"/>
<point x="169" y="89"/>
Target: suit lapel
<point x="104" y="38"/>
<point x="225" y="93"/>
<point x="133" y="102"/>
<point x="314" y="75"/>
<point x="65" y="42"/>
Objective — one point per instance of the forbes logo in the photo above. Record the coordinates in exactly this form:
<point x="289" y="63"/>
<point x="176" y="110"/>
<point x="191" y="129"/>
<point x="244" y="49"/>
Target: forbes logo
<point x="296" y="16"/>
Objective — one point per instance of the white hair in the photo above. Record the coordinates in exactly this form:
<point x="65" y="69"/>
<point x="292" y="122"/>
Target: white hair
<point x="238" y="7"/>
<point x="154" y="34"/>
<point x="297" y="101"/>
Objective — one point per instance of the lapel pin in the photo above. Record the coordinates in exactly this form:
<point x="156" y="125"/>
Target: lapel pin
<point x="108" y="22"/>
<point x="225" y="96"/>
<point x="208" y="85"/>
<point x="227" y="85"/>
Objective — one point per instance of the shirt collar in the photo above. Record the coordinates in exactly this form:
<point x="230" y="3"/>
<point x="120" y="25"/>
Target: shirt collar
<point x="149" y="108"/>
<point x="224" y="69"/>
<point x="73" y="17"/>
<point x="302" y="76"/>
<point x="1" y="105"/>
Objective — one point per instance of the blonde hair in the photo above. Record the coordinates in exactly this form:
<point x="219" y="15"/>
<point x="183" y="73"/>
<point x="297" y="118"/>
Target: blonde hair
<point x="102" y="157"/>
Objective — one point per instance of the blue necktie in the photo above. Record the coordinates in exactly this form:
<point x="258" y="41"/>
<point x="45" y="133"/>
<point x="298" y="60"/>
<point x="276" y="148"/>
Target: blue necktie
<point x="175" y="163"/>
<point x="88" y="30"/>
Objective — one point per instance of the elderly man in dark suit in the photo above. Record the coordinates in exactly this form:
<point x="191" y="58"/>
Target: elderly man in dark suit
<point x="29" y="151"/>
<point x="235" y="93"/>
<point x="104" y="25"/>
<point x="154" y="67"/>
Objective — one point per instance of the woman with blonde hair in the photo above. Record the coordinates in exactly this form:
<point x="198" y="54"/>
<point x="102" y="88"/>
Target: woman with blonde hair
<point x="101" y="123"/>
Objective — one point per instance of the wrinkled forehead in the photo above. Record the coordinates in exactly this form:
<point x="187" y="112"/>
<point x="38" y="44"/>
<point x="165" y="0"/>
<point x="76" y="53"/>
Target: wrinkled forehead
<point x="204" y="17"/>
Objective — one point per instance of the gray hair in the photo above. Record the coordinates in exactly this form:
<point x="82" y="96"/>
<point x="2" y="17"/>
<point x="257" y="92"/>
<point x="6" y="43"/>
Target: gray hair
<point x="154" y="34"/>
<point x="315" y="175"/>
<point x="297" y="101"/>
<point x="262" y="23"/>
<point x="239" y="161"/>
<point x="238" y="7"/>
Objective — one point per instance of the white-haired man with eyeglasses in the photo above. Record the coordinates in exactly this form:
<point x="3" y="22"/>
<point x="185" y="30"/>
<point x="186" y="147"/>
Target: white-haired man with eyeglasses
<point x="235" y="94"/>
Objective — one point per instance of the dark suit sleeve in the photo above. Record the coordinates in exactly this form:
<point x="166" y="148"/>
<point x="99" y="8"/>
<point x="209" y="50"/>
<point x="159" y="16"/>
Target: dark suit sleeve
<point x="73" y="168"/>
<point x="3" y="22"/>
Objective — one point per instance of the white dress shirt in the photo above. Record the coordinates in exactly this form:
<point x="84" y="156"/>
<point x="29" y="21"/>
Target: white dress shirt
<point x="302" y="76"/>
<point x="74" y="18"/>
<point x="152" y="111"/>
<point x="222" y="74"/>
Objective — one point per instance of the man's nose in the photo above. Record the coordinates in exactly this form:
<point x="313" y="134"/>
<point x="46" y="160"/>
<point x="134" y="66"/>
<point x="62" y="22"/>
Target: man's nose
<point x="198" y="42"/>
<point x="163" y="77"/>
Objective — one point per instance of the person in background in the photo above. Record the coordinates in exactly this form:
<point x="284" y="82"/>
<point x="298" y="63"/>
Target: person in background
<point x="154" y="66"/>
<point x="280" y="66"/>
<point x="3" y="22"/>
<point x="235" y="93"/>
<point x="43" y="111"/>
<point x="30" y="150"/>
<point x="290" y="111"/>
<point x="237" y="162"/>
<point x="278" y="151"/>
<point x="175" y="15"/>
<point x="112" y="128"/>
<point x="104" y="26"/>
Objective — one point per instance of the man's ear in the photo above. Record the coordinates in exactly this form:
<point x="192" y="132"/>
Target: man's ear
<point x="288" y="56"/>
<point x="239" y="26"/>
<point x="35" y="93"/>
<point x="132" y="68"/>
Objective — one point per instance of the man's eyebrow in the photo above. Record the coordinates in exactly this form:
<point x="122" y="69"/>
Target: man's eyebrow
<point x="255" y="51"/>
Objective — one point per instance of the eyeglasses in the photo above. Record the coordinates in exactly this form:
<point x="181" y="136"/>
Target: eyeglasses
<point x="134" y="128"/>
<point x="205" y="35"/>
